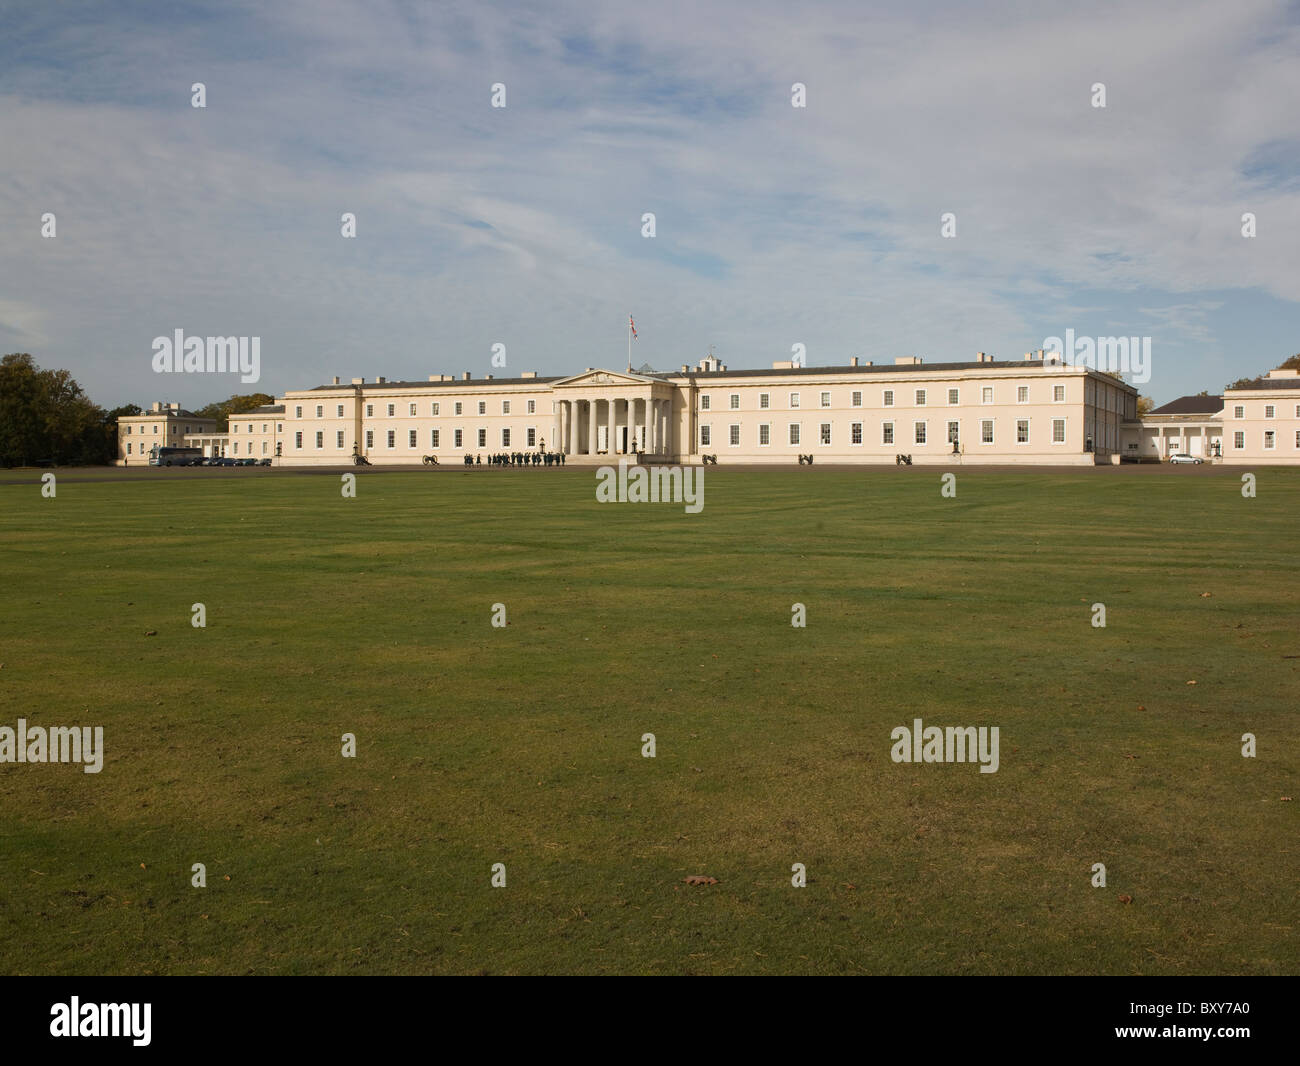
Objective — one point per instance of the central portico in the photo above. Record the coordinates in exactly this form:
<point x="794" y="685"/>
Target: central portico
<point x="609" y="412"/>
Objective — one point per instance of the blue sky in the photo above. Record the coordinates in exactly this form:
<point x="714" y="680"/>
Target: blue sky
<point x="522" y="225"/>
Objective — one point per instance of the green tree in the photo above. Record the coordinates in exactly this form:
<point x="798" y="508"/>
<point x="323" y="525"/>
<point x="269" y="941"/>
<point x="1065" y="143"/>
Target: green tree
<point x="45" y="415"/>
<point x="222" y="410"/>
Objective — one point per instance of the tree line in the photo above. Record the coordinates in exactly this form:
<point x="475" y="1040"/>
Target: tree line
<point x="46" y="417"/>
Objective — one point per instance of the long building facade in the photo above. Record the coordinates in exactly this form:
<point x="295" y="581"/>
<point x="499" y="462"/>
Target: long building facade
<point x="1036" y="410"/>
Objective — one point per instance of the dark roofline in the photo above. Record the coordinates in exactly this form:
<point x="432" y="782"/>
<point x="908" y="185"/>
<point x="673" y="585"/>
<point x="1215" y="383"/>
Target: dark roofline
<point x="700" y="376"/>
<point x="169" y="414"/>
<point x="1190" y="405"/>
<point x="891" y="368"/>
<point x="1268" y="383"/>
<point x="426" y="384"/>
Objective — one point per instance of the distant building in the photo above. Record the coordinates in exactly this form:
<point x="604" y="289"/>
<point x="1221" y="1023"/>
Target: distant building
<point x="1190" y="424"/>
<point x="1035" y="410"/>
<point x="164" y="425"/>
<point x="1261" y="421"/>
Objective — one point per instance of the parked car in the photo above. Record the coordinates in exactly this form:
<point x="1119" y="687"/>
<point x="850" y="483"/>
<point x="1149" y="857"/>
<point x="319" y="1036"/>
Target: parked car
<point x="1183" y="457"/>
<point x="264" y="462"/>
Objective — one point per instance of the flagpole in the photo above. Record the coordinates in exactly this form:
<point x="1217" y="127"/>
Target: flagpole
<point x="629" y="344"/>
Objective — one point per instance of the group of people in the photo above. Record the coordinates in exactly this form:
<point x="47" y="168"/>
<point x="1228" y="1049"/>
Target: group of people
<point x="518" y="459"/>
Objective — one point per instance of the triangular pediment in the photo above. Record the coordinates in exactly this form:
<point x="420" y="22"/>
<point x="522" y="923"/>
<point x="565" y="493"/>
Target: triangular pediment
<point x="605" y="377"/>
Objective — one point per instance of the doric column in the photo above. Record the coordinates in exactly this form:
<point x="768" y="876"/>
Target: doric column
<point x="591" y="427"/>
<point x="609" y="439"/>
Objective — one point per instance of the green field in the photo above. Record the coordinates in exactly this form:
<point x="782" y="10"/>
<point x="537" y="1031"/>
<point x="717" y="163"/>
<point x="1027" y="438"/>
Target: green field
<point x="522" y="745"/>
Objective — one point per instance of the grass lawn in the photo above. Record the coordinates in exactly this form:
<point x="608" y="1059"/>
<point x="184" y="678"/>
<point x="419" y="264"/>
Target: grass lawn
<point x="522" y="745"/>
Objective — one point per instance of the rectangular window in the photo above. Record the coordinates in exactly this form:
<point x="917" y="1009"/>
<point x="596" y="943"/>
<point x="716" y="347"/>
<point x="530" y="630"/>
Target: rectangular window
<point x="826" y="399"/>
<point x="794" y="432"/>
<point x="458" y="440"/>
<point x="410" y="439"/>
<point x="458" y="406"/>
<point x="706" y="436"/>
<point x="986" y="394"/>
<point x="735" y="401"/>
<point x="505" y="438"/>
<point x="733" y="435"/>
<point x="704" y="402"/>
<point x="505" y="407"/>
<point x="1268" y="410"/>
<point x="1239" y="439"/>
<point x="482" y="407"/>
<point x="264" y="445"/>
<point x="1022" y="431"/>
<point x="1022" y="394"/>
<point x="954" y="430"/>
<point x="1058" y="430"/>
<point x="986" y="431"/>
<point x="1239" y="411"/>
<point x="338" y="441"/>
<point x="391" y="410"/>
<point x="794" y="399"/>
<point x="887" y="433"/>
<point x="392" y="438"/>
<point x="1268" y="440"/>
<point x="532" y="407"/>
<point x="855" y="433"/>
<point x="856" y="399"/>
<point x="1297" y="438"/>
<point x="1058" y="394"/>
<point x="433" y="410"/>
<point x="482" y="438"/>
<point x="765" y="434"/>
<point x="920" y="397"/>
<point x="764" y="400"/>
<point x="236" y="448"/>
<point x="433" y="438"/>
<point x="340" y="415"/>
<point x="297" y="413"/>
<point x="370" y="439"/>
<point x="128" y="445"/>
<point x="920" y="432"/>
<point x="370" y="410"/>
<point x="320" y="411"/>
<point x="297" y="439"/>
<point x="320" y="439"/>
<point x="889" y="398"/>
<point x="532" y="435"/>
<point x="826" y="432"/>
<point x="1297" y="410"/>
<point x="954" y="397"/>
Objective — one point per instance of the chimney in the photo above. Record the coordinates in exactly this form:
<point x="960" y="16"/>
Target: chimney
<point x="870" y="362"/>
<point x="908" y="360"/>
<point x="685" y="369"/>
<point x="358" y="381"/>
<point x="336" y="379"/>
<point x="782" y="364"/>
<point x="528" y="374"/>
<point x="981" y="357"/>
<point x="488" y="378"/>
<point x="853" y="361"/>
<point x="381" y="381"/>
<point x="466" y="376"/>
